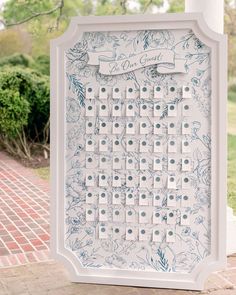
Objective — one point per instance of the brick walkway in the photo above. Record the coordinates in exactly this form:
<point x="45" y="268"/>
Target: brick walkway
<point x="24" y="214"/>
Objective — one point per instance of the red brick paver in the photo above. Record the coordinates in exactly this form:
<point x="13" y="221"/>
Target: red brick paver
<point x="24" y="214"/>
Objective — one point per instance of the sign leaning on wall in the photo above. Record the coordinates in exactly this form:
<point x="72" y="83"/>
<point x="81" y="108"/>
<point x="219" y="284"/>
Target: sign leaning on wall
<point x="138" y="140"/>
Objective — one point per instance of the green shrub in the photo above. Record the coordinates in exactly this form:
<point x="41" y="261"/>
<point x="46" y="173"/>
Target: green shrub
<point x="16" y="59"/>
<point x="34" y="88"/>
<point x="232" y="87"/>
<point x="42" y="64"/>
<point x="232" y="84"/>
<point x="14" y="111"/>
<point x="232" y="96"/>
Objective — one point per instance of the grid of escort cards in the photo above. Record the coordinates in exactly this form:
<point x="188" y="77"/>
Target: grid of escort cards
<point x="137" y="162"/>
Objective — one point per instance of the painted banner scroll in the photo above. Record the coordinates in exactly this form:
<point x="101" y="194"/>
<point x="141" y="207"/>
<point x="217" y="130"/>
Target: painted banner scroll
<point x="164" y="59"/>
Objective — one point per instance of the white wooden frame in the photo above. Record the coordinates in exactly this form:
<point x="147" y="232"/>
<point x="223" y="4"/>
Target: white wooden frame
<point x="217" y="259"/>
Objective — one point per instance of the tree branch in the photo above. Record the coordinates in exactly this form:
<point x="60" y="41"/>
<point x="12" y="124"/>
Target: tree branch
<point x="230" y="24"/>
<point x="145" y="8"/>
<point x="59" y="7"/>
<point x="123" y="6"/>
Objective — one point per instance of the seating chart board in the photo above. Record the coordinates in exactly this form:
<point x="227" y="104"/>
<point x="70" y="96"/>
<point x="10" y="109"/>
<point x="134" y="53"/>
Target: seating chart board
<point x="139" y="150"/>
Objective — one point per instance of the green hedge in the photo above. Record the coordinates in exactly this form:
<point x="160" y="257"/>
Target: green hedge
<point x="232" y="96"/>
<point x="14" y="111"/>
<point x="40" y="64"/>
<point x="16" y="59"/>
<point x="24" y="92"/>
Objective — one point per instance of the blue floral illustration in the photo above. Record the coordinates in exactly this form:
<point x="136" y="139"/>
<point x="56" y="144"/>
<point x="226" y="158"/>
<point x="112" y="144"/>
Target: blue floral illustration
<point x="192" y="241"/>
<point x="77" y="56"/>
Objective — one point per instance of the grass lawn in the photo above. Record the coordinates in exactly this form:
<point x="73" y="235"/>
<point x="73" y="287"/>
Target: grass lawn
<point x="232" y="117"/>
<point x="232" y="171"/>
<point x="232" y="153"/>
<point x="44" y="172"/>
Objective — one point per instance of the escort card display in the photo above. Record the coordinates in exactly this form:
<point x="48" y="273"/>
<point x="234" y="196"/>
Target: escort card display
<point x="138" y="150"/>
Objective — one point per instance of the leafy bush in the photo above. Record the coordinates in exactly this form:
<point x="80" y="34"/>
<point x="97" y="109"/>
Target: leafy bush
<point x="16" y="59"/>
<point x="232" y="87"/>
<point x="14" y="112"/>
<point x="232" y="96"/>
<point x="232" y="84"/>
<point x="42" y="64"/>
<point x="25" y="92"/>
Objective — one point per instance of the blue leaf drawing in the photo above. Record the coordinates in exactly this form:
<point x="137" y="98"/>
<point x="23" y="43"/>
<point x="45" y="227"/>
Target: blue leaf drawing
<point x="164" y="265"/>
<point x="77" y="88"/>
